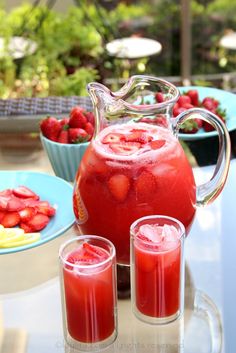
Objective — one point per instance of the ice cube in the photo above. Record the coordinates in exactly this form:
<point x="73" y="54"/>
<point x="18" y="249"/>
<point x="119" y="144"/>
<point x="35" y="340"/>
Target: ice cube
<point x="151" y="232"/>
<point x="169" y="233"/>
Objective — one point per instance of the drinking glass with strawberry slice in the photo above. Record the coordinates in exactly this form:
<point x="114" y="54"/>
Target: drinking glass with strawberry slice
<point x="88" y="290"/>
<point x="136" y="167"/>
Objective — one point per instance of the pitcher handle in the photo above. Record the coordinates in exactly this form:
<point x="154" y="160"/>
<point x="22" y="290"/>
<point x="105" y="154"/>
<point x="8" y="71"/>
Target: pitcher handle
<point x="208" y="192"/>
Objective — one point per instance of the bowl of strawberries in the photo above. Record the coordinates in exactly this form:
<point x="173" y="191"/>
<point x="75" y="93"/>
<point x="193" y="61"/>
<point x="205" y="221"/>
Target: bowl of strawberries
<point x="65" y="140"/>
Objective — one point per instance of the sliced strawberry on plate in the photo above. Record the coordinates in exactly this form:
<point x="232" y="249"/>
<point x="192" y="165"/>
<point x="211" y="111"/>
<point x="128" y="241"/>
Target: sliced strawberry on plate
<point x="125" y="148"/>
<point x="2" y="214"/>
<point x="15" y="204"/>
<point x="10" y="219"/>
<point x="112" y="137"/>
<point x="38" y="222"/>
<point x="45" y="208"/>
<point x="27" y="213"/>
<point x="24" y="192"/>
<point x="6" y="193"/>
<point x="26" y="227"/>
<point x="119" y="185"/>
<point x="3" y="203"/>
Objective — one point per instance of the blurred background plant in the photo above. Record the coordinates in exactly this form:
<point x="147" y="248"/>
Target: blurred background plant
<point x="71" y="46"/>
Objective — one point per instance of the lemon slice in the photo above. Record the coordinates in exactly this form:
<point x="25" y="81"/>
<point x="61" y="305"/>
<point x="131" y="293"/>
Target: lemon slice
<point x="27" y="239"/>
<point x="10" y="235"/>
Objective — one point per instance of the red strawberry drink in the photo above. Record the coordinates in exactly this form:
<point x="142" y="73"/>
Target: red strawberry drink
<point x="89" y="292"/>
<point x="130" y="171"/>
<point x="157" y="268"/>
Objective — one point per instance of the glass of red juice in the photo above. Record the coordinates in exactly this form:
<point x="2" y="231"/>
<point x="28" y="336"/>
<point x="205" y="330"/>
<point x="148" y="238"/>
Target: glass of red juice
<point x="88" y="291"/>
<point x="157" y="269"/>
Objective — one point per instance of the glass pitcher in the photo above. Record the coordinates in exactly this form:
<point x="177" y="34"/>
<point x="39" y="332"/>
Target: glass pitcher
<point x="135" y="165"/>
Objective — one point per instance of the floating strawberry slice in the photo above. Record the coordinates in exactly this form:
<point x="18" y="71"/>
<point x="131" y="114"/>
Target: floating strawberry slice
<point x="119" y="185"/>
<point x="138" y="136"/>
<point x="10" y="219"/>
<point x="112" y="137"/>
<point x="38" y="222"/>
<point x="81" y="255"/>
<point x="143" y="237"/>
<point x="156" y="144"/>
<point x="27" y="213"/>
<point x="24" y="193"/>
<point x="45" y="208"/>
<point x="15" y="204"/>
<point x="95" y="251"/>
<point x="125" y="148"/>
<point x="145" y="186"/>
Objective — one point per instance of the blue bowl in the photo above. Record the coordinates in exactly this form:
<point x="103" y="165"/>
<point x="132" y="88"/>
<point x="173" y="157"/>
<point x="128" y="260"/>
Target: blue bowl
<point x="65" y="158"/>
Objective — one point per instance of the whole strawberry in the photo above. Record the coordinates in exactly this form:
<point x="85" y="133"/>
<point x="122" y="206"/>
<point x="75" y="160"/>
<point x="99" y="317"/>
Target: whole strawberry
<point x="77" y="118"/>
<point x="90" y="117"/>
<point x="50" y="128"/>
<point x="63" y="136"/>
<point x="77" y="135"/>
<point x="210" y="103"/>
<point x="193" y="94"/>
<point x="160" y="98"/>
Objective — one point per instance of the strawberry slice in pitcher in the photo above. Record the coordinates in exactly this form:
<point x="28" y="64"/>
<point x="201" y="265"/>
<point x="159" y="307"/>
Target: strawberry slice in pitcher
<point x="113" y="137"/>
<point x="138" y="136"/>
<point x="125" y="148"/>
<point x="118" y="186"/>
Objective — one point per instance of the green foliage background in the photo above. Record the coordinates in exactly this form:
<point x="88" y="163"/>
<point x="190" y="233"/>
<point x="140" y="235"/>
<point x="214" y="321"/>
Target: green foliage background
<point x="71" y="46"/>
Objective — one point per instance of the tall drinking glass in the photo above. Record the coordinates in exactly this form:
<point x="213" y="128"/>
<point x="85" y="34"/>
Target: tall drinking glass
<point x="88" y="290"/>
<point x="157" y="269"/>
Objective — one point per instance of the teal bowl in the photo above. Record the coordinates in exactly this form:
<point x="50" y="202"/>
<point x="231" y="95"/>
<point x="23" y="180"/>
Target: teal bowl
<point x="64" y="158"/>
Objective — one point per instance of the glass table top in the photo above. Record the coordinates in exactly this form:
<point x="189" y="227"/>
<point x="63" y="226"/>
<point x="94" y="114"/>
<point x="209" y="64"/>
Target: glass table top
<point x="30" y="308"/>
